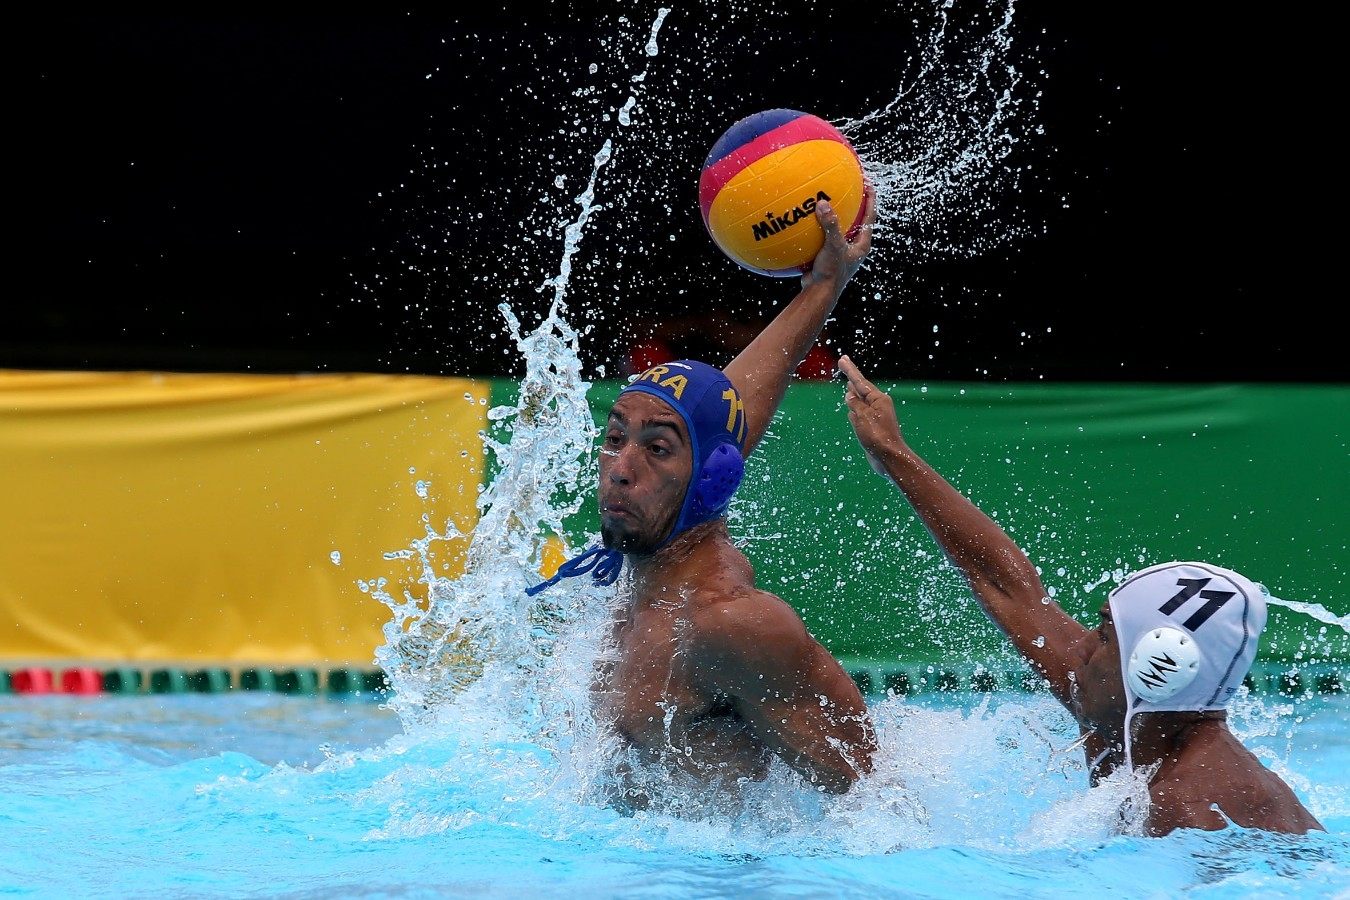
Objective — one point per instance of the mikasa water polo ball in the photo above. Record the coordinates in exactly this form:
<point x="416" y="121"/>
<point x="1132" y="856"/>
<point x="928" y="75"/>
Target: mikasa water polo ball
<point x="760" y="185"/>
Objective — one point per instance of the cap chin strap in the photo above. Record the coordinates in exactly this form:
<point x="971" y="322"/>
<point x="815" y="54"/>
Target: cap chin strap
<point x="603" y="564"/>
<point x="708" y="497"/>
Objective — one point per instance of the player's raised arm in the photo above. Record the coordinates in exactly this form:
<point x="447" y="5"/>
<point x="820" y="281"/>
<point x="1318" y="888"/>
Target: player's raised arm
<point x="763" y="370"/>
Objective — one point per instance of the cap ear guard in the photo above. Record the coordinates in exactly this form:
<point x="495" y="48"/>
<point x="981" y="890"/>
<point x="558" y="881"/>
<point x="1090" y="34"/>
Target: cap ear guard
<point x="717" y="483"/>
<point x="1163" y="663"/>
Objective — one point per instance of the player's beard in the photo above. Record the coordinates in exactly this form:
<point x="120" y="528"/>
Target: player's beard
<point x="639" y="541"/>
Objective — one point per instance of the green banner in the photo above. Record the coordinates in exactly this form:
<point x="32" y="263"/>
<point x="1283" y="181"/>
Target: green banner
<point x="1092" y="481"/>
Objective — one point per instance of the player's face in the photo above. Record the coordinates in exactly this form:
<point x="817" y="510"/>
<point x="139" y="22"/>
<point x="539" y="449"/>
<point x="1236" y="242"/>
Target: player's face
<point x="646" y="461"/>
<point x="1098" y="693"/>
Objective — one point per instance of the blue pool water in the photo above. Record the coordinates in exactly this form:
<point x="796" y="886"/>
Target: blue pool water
<point x="269" y="795"/>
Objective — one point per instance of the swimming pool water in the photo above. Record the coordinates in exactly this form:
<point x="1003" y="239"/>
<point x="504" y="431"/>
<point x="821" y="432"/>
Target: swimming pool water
<point x="267" y="795"/>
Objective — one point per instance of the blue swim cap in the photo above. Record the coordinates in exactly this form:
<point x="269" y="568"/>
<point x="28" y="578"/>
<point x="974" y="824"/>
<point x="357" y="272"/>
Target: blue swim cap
<point x="712" y="409"/>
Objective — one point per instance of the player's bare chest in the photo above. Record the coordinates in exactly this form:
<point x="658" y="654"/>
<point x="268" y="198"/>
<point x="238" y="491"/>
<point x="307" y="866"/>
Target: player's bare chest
<point x="650" y="687"/>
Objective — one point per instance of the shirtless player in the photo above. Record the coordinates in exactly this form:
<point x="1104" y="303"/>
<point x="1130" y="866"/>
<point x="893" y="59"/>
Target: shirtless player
<point x="1149" y="686"/>
<point x="709" y="677"/>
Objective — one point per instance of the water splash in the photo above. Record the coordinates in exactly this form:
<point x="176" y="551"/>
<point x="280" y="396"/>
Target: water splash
<point x="438" y="644"/>
<point x="935" y="95"/>
<point x="937" y="153"/>
<point x="456" y="630"/>
<point x="1314" y="610"/>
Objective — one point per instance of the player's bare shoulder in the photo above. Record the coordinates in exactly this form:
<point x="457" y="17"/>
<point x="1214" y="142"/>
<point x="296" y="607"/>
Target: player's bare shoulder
<point x="733" y="621"/>
<point x="751" y="626"/>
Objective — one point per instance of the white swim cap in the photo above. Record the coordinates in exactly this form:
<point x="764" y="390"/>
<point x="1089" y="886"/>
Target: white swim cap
<point x="1188" y="634"/>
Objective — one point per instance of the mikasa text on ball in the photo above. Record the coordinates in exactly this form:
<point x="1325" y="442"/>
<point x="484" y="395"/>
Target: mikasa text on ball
<point x="762" y="180"/>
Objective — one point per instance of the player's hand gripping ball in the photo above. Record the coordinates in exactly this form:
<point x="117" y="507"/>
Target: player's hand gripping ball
<point x="760" y="185"/>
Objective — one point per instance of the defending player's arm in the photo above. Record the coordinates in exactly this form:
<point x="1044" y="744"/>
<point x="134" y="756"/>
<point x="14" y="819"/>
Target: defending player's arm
<point x="1000" y="576"/>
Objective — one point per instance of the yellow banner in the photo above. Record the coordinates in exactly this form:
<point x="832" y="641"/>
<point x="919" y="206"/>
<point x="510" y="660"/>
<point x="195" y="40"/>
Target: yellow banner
<point x="221" y="518"/>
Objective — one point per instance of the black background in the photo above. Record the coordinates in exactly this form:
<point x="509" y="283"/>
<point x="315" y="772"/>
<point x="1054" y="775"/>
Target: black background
<point x="237" y="191"/>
